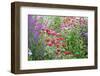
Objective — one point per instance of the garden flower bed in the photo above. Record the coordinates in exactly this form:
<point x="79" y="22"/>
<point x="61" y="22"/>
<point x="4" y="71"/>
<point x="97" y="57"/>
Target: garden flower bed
<point x="57" y="37"/>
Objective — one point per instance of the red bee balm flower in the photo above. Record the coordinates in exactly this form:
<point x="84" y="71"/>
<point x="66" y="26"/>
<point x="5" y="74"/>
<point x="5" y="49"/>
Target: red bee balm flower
<point x="57" y="39"/>
<point x="67" y="52"/>
<point x="47" y="30"/>
<point x="49" y="33"/>
<point x="54" y="33"/>
<point x="61" y="38"/>
<point x="56" y="42"/>
<point x="50" y="44"/>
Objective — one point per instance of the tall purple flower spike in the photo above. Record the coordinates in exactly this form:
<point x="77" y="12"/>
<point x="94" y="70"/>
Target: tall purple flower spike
<point x="34" y="27"/>
<point x="31" y="22"/>
<point x="36" y="31"/>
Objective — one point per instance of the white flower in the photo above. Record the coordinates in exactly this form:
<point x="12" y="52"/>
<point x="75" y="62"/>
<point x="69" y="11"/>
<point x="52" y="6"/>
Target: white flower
<point x="29" y="52"/>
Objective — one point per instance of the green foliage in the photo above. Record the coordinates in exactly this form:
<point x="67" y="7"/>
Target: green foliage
<point x="56" y="24"/>
<point x="37" y="49"/>
<point x="75" y="42"/>
<point x="49" y="53"/>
